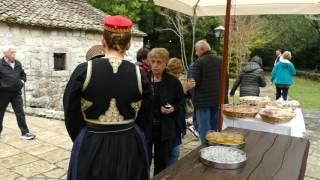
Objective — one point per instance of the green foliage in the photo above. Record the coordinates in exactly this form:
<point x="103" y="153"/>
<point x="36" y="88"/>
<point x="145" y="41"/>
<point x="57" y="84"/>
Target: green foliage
<point x="134" y="9"/>
<point x="233" y="71"/>
<point x="244" y="31"/>
<point x="204" y="30"/>
<point x="148" y="17"/>
<point x="294" y="33"/>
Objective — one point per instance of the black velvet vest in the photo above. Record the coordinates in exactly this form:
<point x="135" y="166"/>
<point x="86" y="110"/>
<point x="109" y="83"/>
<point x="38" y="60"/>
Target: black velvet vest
<point x="111" y="93"/>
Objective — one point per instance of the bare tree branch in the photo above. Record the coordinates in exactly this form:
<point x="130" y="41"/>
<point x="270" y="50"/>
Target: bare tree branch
<point x="170" y="19"/>
<point x="177" y="20"/>
<point x="242" y="34"/>
<point x="168" y="29"/>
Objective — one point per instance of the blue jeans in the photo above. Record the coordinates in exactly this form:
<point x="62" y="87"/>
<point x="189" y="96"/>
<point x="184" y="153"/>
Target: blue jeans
<point x="207" y="118"/>
<point x="174" y="155"/>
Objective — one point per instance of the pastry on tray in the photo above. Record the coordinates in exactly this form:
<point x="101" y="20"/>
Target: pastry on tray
<point x="225" y="138"/>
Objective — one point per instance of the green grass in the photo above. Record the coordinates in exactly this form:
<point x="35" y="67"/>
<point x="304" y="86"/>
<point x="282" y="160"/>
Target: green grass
<point x="307" y="92"/>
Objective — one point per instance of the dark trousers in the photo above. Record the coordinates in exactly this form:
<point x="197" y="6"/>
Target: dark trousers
<point x="282" y="91"/>
<point x="17" y="104"/>
<point x="194" y="120"/>
<point x="161" y="154"/>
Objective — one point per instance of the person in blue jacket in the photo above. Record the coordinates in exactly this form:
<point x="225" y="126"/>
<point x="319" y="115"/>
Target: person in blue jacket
<point x="282" y="75"/>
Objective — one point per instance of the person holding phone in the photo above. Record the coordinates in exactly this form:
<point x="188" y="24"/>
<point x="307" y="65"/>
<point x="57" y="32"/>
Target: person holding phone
<point x="168" y="102"/>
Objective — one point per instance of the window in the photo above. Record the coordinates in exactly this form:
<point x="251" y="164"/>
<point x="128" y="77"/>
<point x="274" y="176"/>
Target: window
<point x="59" y="61"/>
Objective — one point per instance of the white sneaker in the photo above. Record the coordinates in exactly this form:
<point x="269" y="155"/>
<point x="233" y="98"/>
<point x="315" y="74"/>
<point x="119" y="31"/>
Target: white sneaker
<point x="28" y="136"/>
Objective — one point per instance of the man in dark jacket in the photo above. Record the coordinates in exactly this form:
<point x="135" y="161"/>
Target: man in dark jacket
<point x="12" y="79"/>
<point x="206" y="72"/>
<point x="250" y="78"/>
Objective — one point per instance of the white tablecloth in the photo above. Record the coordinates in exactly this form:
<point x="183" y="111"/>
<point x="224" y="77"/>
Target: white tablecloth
<point x="296" y="127"/>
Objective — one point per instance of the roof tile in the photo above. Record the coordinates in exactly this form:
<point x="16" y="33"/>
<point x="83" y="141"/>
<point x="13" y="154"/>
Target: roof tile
<point x="66" y="14"/>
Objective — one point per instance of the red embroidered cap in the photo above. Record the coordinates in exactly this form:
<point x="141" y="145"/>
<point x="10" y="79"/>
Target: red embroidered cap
<point x="117" y="24"/>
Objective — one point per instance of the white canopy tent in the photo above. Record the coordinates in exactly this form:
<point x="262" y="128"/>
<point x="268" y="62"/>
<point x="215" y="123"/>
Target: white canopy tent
<point x="242" y="7"/>
<point x="239" y="7"/>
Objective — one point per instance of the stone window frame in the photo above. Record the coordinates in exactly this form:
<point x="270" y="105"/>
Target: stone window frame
<point x="61" y="66"/>
<point x="64" y="72"/>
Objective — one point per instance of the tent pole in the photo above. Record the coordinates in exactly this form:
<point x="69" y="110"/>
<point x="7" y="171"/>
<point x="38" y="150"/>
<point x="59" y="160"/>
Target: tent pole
<point x="224" y="64"/>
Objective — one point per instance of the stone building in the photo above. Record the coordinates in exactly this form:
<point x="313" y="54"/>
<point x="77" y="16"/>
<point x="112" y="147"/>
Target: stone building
<point x="52" y="37"/>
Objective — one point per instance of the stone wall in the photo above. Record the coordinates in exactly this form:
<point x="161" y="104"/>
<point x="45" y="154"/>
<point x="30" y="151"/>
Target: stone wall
<point x="35" y="48"/>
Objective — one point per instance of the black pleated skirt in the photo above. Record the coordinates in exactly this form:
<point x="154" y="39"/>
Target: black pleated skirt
<point x="113" y="152"/>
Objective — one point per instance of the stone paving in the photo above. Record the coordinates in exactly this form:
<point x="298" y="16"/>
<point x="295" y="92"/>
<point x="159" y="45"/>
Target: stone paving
<point x="46" y="157"/>
<point x="312" y="119"/>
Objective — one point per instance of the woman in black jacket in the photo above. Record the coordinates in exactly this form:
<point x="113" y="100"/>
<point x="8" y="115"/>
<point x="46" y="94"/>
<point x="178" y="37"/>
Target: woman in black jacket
<point x="168" y="102"/>
<point x="250" y="79"/>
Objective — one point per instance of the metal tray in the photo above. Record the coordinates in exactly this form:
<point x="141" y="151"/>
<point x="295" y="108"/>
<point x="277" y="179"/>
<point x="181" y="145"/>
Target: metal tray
<point x="222" y="165"/>
<point x="238" y="146"/>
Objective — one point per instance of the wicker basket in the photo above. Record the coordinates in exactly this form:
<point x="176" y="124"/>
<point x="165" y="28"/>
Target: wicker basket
<point x="238" y="112"/>
<point x="274" y="119"/>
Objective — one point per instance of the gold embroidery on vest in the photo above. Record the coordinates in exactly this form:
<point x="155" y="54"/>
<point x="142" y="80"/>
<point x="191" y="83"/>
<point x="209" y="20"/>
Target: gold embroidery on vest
<point x="136" y="106"/>
<point x="115" y="63"/>
<point x="138" y="74"/>
<point x="85" y="104"/>
<point x="112" y="114"/>
<point x="88" y="76"/>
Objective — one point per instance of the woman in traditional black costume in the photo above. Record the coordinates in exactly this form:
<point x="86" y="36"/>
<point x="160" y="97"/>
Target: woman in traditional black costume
<point x="106" y="105"/>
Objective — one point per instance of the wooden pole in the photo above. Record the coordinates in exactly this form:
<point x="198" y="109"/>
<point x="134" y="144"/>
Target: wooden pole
<point x="224" y="64"/>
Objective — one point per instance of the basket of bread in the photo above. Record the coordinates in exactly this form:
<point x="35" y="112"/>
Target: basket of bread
<point x="275" y="115"/>
<point x="240" y="111"/>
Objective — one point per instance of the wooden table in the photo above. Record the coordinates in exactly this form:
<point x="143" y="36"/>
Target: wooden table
<point x="270" y="156"/>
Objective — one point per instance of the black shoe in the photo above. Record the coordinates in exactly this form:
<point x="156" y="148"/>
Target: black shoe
<point x="28" y="136"/>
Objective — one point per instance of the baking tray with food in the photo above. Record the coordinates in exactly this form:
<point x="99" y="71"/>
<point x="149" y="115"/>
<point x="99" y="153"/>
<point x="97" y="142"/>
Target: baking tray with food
<point x="230" y="139"/>
<point x="222" y="157"/>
